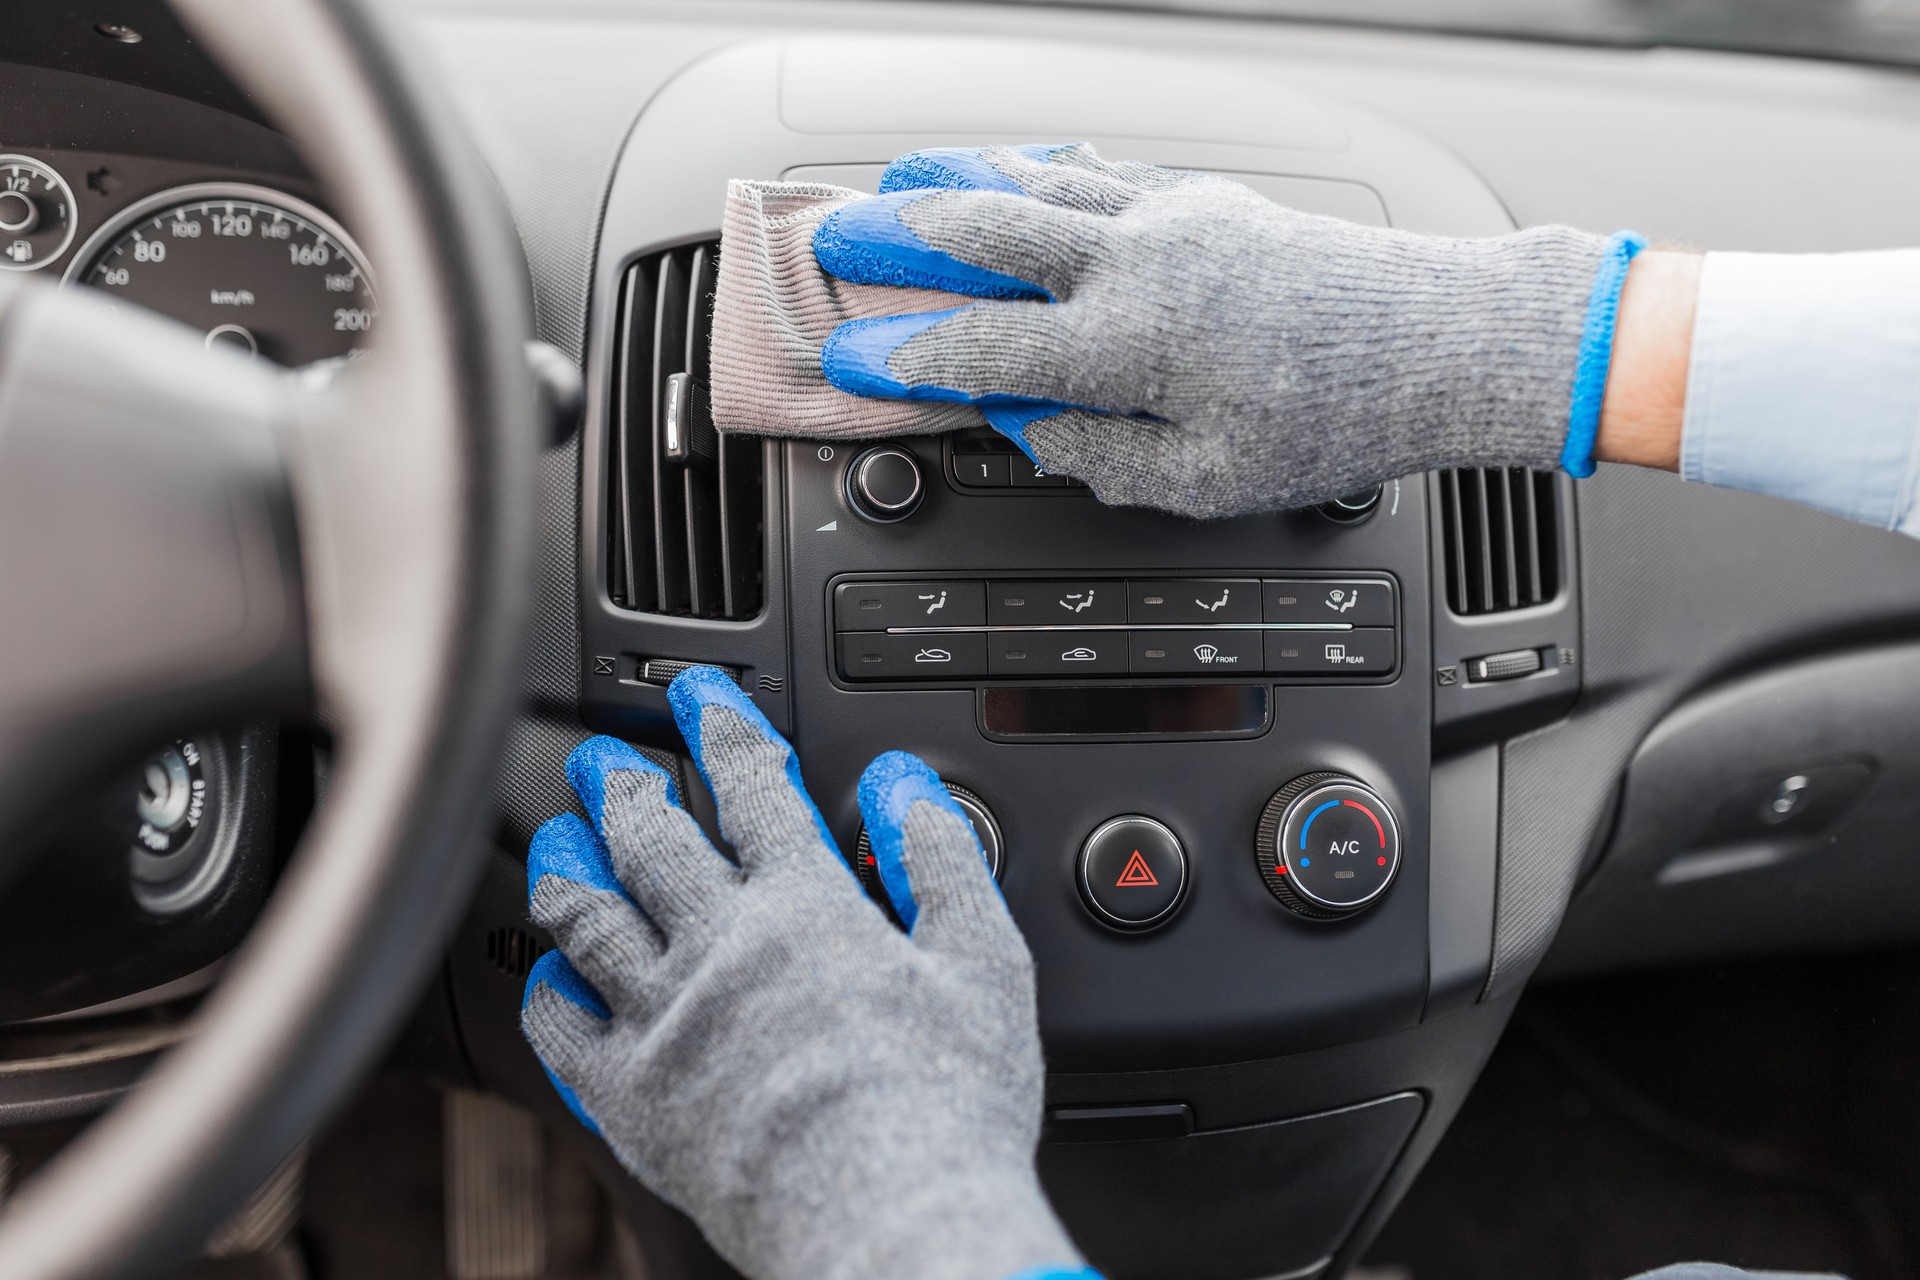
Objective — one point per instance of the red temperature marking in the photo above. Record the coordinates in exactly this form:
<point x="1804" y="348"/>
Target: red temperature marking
<point x="1376" y="822"/>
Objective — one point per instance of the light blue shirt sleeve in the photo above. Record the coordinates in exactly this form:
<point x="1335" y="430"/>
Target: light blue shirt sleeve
<point x="1805" y="381"/>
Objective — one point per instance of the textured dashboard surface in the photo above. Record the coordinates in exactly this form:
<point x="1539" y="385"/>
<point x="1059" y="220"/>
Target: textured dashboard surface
<point x="1714" y="150"/>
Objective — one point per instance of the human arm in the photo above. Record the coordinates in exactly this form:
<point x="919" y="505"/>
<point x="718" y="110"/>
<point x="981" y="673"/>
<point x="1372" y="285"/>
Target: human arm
<point x="1796" y="375"/>
<point x="1646" y="397"/>
<point x="1180" y="343"/>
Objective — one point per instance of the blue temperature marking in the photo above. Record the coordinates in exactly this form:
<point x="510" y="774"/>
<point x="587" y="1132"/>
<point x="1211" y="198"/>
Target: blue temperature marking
<point x="1310" y="817"/>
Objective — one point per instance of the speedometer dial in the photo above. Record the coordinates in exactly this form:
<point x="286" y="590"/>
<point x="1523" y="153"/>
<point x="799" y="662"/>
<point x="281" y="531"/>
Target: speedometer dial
<point x="255" y="270"/>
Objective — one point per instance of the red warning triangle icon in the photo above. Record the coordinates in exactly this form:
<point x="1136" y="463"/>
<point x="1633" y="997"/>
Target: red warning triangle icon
<point x="1136" y="873"/>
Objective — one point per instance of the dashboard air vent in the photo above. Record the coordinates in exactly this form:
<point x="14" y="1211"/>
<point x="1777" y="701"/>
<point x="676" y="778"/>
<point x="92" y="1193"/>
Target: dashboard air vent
<point x="1501" y="531"/>
<point x="685" y="530"/>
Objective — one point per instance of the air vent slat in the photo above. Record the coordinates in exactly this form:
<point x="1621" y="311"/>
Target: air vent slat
<point x="669" y="495"/>
<point x="1483" y="582"/>
<point x="629" y="470"/>
<point x="1529" y="518"/>
<point x="1508" y="570"/>
<point x="1546" y="523"/>
<point x="685" y="531"/>
<point x="1453" y="535"/>
<point x="1501" y="534"/>
<point x="703" y="272"/>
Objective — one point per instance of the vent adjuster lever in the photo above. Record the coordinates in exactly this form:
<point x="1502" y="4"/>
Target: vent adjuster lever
<point x="689" y="436"/>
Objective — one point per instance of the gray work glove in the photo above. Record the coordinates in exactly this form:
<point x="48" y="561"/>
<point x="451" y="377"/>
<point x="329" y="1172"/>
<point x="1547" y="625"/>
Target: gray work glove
<point x="828" y="1097"/>
<point x="1179" y="341"/>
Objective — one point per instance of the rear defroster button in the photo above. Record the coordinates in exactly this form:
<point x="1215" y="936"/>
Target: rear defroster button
<point x="1133" y="872"/>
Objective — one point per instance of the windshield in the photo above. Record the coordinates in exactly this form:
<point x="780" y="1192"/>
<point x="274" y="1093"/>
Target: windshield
<point x="1884" y="31"/>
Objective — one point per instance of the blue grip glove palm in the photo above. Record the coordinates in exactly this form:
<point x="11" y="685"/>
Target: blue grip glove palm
<point x="829" y="1098"/>
<point x="1178" y="341"/>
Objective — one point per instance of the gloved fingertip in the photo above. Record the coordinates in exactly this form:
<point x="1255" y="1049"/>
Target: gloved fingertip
<point x="893" y="781"/>
<point x="555" y="972"/>
<point x="867" y="242"/>
<point x="951" y="168"/>
<point x="849" y="242"/>
<point x="567" y="847"/>
<point x="1012" y="420"/>
<point x="854" y="357"/>
<point x="1045" y="152"/>
<point x="696" y="689"/>
<point x="889" y="788"/>
<point x="590" y="763"/>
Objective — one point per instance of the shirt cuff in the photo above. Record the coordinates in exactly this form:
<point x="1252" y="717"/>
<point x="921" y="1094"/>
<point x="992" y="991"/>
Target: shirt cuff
<point x="1805" y="381"/>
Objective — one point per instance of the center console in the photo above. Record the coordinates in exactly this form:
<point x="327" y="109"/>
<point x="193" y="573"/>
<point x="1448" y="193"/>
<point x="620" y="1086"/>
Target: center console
<point x="1238" y="779"/>
<point x="1074" y="666"/>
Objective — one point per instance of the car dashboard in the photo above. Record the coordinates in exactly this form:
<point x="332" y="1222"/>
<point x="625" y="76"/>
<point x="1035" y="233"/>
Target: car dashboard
<point x="1289" y="808"/>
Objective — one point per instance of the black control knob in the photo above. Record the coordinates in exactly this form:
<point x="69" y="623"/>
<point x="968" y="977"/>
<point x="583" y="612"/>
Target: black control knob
<point x="1328" y="846"/>
<point x="884" y="484"/>
<point x="1352" y="508"/>
<point x="977" y="813"/>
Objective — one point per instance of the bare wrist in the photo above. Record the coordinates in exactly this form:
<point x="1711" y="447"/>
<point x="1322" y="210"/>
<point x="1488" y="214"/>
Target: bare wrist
<point x="1645" y="405"/>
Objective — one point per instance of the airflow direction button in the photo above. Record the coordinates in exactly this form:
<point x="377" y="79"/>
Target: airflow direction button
<point x="1193" y="602"/>
<point x="1056" y="604"/>
<point x="1058" y="653"/>
<point x="876" y="606"/>
<point x="878" y="656"/>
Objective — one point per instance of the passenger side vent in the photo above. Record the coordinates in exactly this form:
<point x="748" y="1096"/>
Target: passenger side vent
<point x="685" y="531"/>
<point x="1501" y="532"/>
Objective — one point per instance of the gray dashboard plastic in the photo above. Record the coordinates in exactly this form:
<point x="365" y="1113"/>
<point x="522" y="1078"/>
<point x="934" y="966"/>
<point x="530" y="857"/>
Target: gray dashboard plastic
<point x="800" y="106"/>
<point x="1701" y="775"/>
<point x="1680" y="588"/>
<point x="1713" y="150"/>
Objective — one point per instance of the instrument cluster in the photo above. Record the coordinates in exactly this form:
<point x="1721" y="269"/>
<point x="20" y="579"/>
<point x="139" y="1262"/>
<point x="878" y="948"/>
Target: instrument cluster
<point x="257" y="269"/>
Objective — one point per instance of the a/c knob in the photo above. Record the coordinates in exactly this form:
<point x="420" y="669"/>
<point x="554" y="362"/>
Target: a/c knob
<point x="1327" y="846"/>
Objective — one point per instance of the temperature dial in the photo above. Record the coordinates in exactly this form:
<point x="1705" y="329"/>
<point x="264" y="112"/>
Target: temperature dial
<point x="36" y="214"/>
<point x="1328" y="846"/>
<point x="977" y="813"/>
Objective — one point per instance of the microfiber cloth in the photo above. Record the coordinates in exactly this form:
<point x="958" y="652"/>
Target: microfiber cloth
<point x="773" y="310"/>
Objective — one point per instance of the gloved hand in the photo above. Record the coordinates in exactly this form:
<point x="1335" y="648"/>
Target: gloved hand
<point x="829" y="1098"/>
<point x="1178" y="341"/>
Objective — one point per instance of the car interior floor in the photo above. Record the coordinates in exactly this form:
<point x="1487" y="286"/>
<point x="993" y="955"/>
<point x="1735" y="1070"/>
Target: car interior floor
<point x="1752" y="1113"/>
<point x="1758" y="1114"/>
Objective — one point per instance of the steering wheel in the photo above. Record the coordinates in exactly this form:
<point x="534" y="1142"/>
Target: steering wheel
<point x="187" y="538"/>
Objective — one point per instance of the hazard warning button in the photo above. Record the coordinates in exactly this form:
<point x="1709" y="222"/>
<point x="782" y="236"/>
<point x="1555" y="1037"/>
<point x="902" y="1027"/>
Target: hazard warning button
<point x="1133" y="872"/>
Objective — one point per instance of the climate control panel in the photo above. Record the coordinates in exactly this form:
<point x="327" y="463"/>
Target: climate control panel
<point x="946" y="629"/>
